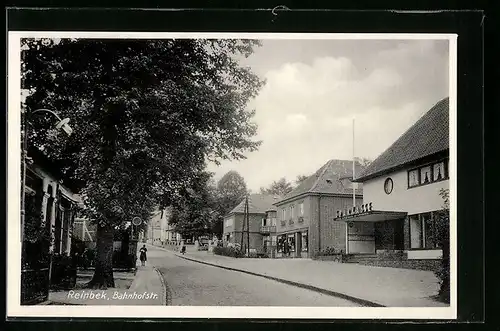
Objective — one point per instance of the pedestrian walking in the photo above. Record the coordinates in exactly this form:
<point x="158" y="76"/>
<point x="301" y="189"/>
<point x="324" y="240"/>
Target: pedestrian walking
<point x="143" y="255"/>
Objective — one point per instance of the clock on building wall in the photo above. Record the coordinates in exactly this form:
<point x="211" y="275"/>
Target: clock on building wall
<point x="388" y="185"/>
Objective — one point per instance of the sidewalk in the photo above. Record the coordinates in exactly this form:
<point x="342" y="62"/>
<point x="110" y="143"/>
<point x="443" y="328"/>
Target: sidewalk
<point x="376" y="286"/>
<point x="146" y="288"/>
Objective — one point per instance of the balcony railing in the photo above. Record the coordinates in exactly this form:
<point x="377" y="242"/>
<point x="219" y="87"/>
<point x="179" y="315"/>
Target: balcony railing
<point x="268" y="229"/>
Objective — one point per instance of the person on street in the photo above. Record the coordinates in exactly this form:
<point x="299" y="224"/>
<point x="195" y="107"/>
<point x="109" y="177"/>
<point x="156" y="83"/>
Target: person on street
<point x="143" y="255"/>
<point x="183" y="249"/>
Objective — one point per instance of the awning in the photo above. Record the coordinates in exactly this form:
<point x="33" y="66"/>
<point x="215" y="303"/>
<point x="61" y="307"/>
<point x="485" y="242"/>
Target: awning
<point x="373" y="216"/>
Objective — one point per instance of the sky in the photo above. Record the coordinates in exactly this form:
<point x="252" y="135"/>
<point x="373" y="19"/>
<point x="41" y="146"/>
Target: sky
<point x="315" y="88"/>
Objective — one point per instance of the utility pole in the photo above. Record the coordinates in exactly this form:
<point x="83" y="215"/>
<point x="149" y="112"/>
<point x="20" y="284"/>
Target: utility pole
<point x="243" y="221"/>
<point x="248" y="226"/>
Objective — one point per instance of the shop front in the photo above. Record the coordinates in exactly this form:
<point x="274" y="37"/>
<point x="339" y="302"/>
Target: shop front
<point x="293" y="244"/>
<point x="373" y="231"/>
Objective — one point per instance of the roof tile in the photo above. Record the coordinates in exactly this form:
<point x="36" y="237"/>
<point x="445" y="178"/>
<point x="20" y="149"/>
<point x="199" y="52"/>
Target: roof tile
<point x="257" y="204"/>
<point x="333" y="178"/>
<point x="429" y="135"/>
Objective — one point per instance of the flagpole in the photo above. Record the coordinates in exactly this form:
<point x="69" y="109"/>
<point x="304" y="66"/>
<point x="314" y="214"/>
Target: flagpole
<point x="353" y="168"/>
<point x="353" y="190"/>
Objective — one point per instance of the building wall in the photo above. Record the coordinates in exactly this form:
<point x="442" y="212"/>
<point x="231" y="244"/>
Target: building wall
<point x="414" y="200"/>
<point x="50" y="186"/>
<point x="322" y="230"/>
<point x="325" y="232"/>
<point x="283" y="225"/>
<point x="234" y="230"/>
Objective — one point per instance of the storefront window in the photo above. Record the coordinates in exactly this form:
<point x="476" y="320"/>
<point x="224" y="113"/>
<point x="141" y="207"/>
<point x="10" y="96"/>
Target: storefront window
<point x="281" y="242"/>
<point x="304" y="241"/>
<point x="430" y="231"/>
<point x="291" y="242"/>
<point x="423" y="231"/>
<point x="415" y="232"/>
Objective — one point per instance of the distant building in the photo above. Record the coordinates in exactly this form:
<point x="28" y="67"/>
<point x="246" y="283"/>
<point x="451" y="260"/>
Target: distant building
<point x="160" y="231"/>
<point x="305" y="214"/>
<point x="261" y="219"/>
<point x="402" y="186"/>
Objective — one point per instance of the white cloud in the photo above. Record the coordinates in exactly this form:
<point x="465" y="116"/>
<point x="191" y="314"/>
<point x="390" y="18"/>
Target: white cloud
<point x="305" y="110"/>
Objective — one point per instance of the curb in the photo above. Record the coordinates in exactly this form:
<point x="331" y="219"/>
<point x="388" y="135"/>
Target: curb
<point x="360" y="301"/>
<point x="166" y="291"/>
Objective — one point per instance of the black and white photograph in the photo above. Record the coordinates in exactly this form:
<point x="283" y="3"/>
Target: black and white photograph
<point x="232" y="174"/>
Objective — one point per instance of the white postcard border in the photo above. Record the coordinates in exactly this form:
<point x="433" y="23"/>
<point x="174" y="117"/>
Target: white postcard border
<point x="14" y="309"/>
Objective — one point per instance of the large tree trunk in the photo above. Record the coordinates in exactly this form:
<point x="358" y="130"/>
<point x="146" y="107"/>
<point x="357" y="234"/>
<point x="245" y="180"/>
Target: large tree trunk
<point x="103" y="275"/>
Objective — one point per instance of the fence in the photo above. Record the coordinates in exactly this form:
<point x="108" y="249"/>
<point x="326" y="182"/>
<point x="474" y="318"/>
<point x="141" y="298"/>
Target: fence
<point x="34" y="286"/>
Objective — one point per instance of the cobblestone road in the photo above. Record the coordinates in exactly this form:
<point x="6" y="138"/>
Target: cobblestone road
<point x="194" y="284"/>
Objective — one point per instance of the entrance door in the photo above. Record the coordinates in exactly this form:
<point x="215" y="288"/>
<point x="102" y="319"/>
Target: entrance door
<point x="298" y="240"/>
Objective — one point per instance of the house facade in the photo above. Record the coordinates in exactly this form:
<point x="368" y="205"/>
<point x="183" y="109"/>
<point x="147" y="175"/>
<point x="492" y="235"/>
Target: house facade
<point x="401" y="192"/>
<point x="58" y="203"/>
<point x="50" y="207"/>
<point x="262" y="224"/>
<point x="304" y="215"/>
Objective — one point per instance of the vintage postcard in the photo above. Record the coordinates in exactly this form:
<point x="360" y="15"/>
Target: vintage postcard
<point x="232" y="175"/>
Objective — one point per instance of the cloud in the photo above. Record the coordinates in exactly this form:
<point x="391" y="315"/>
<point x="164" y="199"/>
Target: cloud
<point x="305" y="110"/>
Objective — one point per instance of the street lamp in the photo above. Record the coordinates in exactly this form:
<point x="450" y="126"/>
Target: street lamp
<point x="63" y="125"/>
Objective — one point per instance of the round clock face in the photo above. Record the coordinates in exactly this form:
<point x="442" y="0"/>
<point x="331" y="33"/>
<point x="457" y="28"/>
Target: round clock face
<point x="388" y="185"/>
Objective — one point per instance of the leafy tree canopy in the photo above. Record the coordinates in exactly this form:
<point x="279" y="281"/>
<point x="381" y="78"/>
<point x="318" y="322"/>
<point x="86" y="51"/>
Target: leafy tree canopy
<point x="280" y="187"/>
<point x="231" y="189"/>
<point x="300" y="179"/>
<point x="145" y="114"/>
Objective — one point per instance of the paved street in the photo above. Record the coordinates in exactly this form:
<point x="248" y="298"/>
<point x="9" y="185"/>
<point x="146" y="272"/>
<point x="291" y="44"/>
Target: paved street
<point x="191" y="283"/>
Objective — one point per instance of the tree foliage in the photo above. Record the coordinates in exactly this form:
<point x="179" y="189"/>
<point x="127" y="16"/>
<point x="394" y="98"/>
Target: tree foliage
<point x="191" y="215"/>
<point x="300" y="179"/>
<point x="365" y="162"/>
<point x="280" y="188"/>
<point x="443" y="238"/>
<point x="145" y="114"/>
<point x="231" y="189"/>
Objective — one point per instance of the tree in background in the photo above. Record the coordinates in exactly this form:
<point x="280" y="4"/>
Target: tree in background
<point x="300" y="179"/>
<point x="280" y="188"/>
<point x="146" y="114"/>
<point x="363" y="161"/>
<point x="192" y="214"/>
<point x="231" y="189"/>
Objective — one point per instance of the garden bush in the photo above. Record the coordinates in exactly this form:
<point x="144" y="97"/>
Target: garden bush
<point x="329" y="251"/>
<point x="228" y="251"/>
<point x="63" y="271"/>
<point x="443" y="238"/>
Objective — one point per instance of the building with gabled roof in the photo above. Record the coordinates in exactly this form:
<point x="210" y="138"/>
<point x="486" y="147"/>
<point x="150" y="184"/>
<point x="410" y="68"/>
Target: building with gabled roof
<point x="304" y="215"/>
<point x="261" y="220"/>
<point x="401" y="192"/>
